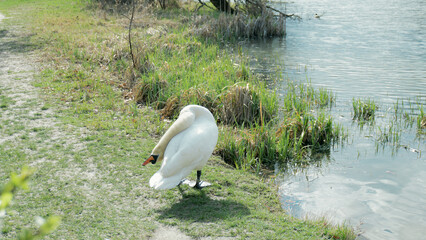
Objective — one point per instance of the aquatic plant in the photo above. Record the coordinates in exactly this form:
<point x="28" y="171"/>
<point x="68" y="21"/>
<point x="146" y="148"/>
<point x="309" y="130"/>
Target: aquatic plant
<point x="421" y="121"/>
<point x="301" y="97"/>
<point x="390" y="134"/>
<point x="363" y="110"/>
<point x="405" y="116"/>
<point x="309" y="131"/>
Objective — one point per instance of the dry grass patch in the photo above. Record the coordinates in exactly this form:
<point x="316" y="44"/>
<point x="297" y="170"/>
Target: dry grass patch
<point x="242" y="105"/>
<point x="147" y="92"/>
<point x="192" y="95"/>
<point x="240" y="25"/>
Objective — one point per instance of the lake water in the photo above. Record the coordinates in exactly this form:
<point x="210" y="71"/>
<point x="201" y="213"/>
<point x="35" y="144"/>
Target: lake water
<point x="358" y="49"/>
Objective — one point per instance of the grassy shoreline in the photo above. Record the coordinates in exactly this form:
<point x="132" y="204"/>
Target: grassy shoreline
<point x="95" y="162"/>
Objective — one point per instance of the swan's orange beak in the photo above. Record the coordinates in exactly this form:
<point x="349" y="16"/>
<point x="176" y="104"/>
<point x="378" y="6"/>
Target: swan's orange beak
<point x="152" y="159"/>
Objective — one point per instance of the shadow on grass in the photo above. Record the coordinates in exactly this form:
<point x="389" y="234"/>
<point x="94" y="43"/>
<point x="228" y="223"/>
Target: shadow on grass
<point x="3" y="33"/>
<point x="199" y="207"/>
<point x="15" y="44"/>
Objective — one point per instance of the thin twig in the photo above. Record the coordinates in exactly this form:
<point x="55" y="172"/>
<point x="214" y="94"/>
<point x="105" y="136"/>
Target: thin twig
<point x="130" y="36"/>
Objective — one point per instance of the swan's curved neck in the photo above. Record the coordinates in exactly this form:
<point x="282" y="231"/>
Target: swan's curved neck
<point x="183" y="122"/>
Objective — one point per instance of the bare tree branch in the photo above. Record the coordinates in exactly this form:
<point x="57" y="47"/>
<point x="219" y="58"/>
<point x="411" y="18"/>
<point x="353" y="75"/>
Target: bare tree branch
<point x="202" y="5"/>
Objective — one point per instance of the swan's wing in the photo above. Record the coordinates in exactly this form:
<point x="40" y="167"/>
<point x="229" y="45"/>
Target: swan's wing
<point x="173" y="170"/>
<point x="189" y="150"/>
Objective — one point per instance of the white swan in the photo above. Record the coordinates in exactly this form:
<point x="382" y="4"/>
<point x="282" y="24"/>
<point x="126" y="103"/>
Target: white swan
<point x="186" y="145"/>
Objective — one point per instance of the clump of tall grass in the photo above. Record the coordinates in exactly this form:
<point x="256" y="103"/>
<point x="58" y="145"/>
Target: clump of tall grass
<point x="150" y="91"/>
<point x="337" y="231"/>
<point x="363" y="110"/>
<point x="308" y="130"/>
<point x="294" y="137"/>
<point x="240" y="25"/>
<point x="235" y="105"/>
<point x="249" y="148"/>
<point x="293" y="140"/>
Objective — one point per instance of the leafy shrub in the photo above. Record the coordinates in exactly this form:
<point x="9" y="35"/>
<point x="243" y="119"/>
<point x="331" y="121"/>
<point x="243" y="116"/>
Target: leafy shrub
<point x="6" y="196"/>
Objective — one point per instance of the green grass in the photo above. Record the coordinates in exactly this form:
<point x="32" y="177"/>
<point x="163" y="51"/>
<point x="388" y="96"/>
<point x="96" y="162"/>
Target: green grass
<point x="188" y="70"/>
<point x="89" y="159"/>
<point x="5" y="101"/>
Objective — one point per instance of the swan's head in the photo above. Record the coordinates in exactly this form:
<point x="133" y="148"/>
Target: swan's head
<point x="152" y="159"/>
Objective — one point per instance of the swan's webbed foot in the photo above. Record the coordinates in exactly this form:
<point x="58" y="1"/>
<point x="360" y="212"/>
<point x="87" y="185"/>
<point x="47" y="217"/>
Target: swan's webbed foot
<point x="180" y="189"/>
<point x="201" y="185"/>
<point x="195" y="184"/>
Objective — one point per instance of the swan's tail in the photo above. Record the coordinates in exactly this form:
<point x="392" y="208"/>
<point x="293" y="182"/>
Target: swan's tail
<point x="157" y="181"/>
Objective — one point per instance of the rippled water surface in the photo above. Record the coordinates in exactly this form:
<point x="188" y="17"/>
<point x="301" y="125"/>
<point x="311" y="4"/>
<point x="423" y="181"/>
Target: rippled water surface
<point x="374" y="49"/>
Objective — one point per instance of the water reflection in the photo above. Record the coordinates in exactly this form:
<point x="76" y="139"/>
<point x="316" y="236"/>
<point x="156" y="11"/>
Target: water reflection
<point x="373" y="49"/>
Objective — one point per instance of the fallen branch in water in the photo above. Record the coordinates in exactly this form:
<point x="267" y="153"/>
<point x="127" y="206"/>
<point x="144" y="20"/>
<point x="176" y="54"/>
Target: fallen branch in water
<point x="275" y="10"/>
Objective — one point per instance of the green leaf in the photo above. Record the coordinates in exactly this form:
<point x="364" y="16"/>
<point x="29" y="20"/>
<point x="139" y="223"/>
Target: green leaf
<point x="5" y="200"/>
<point x="26" y="234"/>
<point x="50" y="225"/>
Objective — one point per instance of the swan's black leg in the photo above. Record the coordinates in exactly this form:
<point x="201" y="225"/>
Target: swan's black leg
<point x="197" y="183"/>
<point x="180" y="189"/>
<point x="182" y="181"/>
<point x="201" y="184"/>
